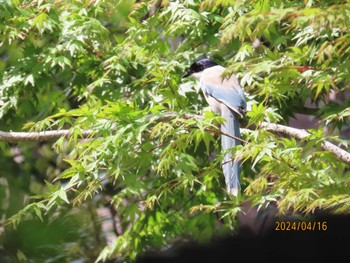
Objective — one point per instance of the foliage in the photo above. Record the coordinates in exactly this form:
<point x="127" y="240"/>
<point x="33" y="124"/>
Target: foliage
<point x="115" y="67"/>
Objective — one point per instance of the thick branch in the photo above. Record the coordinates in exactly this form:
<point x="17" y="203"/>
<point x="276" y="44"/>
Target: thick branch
<point x="14" y="137"/>
<point x="298" y="134"/>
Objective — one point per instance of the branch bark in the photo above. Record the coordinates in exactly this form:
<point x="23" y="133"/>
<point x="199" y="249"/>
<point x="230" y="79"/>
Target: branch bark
<point x="299" y="134"/>
<point x="14" y="137"/>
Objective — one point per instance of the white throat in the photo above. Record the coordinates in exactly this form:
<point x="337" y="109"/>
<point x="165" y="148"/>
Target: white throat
<point x="197" y="75"/>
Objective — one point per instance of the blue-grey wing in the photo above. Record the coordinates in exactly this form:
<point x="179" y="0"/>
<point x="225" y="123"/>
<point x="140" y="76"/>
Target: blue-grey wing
<point x="232" y="97"/>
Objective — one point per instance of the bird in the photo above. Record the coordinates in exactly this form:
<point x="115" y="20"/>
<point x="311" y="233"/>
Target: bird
<point x="225" y="97"/>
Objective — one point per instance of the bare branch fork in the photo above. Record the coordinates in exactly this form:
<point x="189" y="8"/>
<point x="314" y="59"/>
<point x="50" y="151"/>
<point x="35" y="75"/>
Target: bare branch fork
<point x="299" y="134"/>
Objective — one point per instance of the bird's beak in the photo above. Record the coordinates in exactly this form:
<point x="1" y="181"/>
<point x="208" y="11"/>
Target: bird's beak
<point x="188" y="73"/>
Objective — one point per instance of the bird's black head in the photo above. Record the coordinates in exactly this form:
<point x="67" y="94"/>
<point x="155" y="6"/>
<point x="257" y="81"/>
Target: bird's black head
<point x="199" y="66"/>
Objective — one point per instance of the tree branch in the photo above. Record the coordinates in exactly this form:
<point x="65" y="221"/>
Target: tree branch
<point x="306" y="110"/>
<point x="14" y="137"/>
<point x="299" y="134"/>
<point x="153" y="9"/>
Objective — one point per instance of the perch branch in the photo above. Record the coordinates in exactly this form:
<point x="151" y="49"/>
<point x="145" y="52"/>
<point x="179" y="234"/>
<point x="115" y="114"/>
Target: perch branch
<point x="299" y="134"/>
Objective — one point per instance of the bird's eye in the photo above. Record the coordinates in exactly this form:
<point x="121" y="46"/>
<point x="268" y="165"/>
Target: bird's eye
<point x="197" y="68"/>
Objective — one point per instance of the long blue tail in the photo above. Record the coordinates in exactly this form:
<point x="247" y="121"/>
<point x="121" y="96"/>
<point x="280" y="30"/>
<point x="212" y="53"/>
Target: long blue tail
<point x="231" y="168"/>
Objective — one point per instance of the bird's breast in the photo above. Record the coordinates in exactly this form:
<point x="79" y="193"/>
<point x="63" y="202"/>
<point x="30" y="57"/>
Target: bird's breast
<point x="213" y="103"/>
